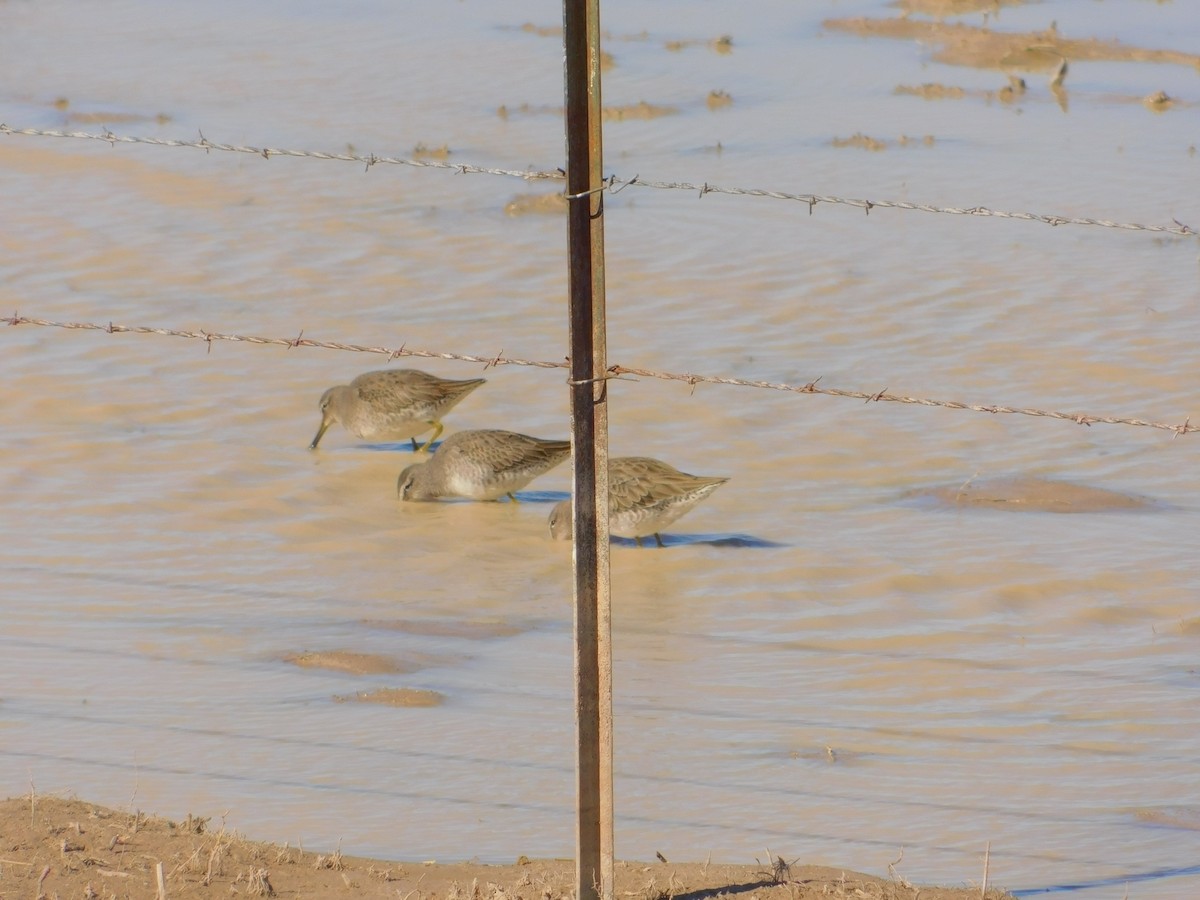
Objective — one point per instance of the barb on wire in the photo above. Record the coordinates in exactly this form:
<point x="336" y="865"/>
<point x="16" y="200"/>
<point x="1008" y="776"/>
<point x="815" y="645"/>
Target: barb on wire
<point x="289" y="343"/>
<point x="883" y="397"/>
<point x="612" y="183"/>
<point x="613" y="371"/>
<point x="267" y="152"/>
<point x="811" y="200"/>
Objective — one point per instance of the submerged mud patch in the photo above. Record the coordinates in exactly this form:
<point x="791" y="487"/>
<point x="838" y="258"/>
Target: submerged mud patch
<point x="718" y="99"/>
<point x="932" y="91"/>
<point x="866" y="142"/>
<point x="1025" y="493"/>
<point x="426" y="151"/>
<point x="1190" y="626"/>
<point x="941" y="8"/>
<point x="971" y="45"/>
<point x="351" y="662"/>
<point x="1186" y="817"/>
<point x="640" y="110"/>
<point x="722" y="44"/>
<point x="402" y="697"/>
<point x="536" y="204"/>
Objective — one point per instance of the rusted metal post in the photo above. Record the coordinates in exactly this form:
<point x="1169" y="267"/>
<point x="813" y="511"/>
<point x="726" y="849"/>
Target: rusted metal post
<point x="589" y="418"/>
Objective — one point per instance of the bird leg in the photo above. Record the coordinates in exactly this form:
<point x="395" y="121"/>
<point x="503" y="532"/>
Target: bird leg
<point x="437" y="430"/>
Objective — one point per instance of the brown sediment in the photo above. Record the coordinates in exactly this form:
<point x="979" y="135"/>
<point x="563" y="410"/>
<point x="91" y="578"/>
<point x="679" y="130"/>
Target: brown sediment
<point x="1186" y="817"/>
<point x="865" y="142"/>
<point x="940" y="8"/>
<point x="63" y="104"/>
<point x="542" y="30"/>
<point x="1010" y="93"/>
<point x="861" y="141"/>
<point x="932" y="91"/>
<point x="1158" y="101"/>
<point x="351" y="662"/>
<point x="718" y="100"/>
<point x="422" y="151"/>
<point x="68" y="848"/>
<point x="1028" y="493"/>
<point x="722" y="45"/>
<point x="642" y="110"/>
<point x="402" y="697"/>
<point x="112" y="118"/>
<point x="536" y="204"/>
<point x="971" y="45"/>
<point x="1016" y="88"/>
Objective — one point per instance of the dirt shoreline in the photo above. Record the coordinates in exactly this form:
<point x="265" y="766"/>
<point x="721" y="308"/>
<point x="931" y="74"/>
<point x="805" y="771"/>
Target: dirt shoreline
<point x="54" y="849"/>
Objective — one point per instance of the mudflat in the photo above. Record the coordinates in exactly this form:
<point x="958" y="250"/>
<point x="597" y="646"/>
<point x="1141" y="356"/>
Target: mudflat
<point x="56" y="848"/>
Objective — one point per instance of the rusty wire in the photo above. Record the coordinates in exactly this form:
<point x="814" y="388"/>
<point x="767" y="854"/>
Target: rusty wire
<point x="205" y="144"/>
<point x="612" y="184"/>
<point x="615" y="371"/>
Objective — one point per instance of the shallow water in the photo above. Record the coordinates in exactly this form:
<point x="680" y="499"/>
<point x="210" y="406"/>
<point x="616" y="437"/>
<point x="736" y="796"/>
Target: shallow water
<point x="815" y="664"/>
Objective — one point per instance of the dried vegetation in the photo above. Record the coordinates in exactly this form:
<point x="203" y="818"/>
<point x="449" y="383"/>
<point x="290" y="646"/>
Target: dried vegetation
<point x="53" y="849"/>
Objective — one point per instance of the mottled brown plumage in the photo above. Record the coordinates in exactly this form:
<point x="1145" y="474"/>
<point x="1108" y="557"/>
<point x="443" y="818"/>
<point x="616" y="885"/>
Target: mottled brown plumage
<point x="481" y="465"/>
<point x="644" y="495"/>
<point x="392" y="404"/>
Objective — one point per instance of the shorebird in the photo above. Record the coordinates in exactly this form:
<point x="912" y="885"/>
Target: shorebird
<point x="392" y="404"/>
<point x="644" y="496"/>
<point x="481" y="465"/>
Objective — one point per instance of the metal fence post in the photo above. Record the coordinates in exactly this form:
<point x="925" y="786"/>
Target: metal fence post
<point x="589" y="419"/>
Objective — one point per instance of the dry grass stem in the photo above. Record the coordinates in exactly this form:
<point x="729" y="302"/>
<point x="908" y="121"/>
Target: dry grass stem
<point x="896" y="876"/>
<point x="780" y="871"/>
<point x="258" y="883"/>
<point x="653" y="891"/>
<point x="332" y="861"/>
<point x="190" y="864"/>
<point x="209" y="864"/>
<point x="216" y="858"/>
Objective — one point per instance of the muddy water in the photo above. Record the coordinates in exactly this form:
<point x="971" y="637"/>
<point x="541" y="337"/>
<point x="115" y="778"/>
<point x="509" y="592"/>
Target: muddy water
<point x="832" y="658"/>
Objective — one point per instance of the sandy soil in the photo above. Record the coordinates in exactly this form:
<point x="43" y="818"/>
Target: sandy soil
<point x="52" y="849"/>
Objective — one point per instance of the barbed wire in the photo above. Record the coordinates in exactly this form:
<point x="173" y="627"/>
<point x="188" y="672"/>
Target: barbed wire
<point x="205" y="144"/>
<point x="615" y="371"/>
<point x="612" y="184"/>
